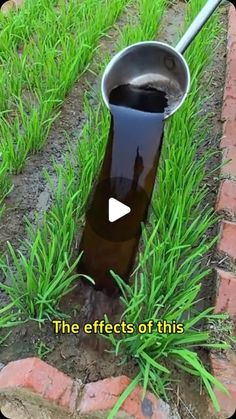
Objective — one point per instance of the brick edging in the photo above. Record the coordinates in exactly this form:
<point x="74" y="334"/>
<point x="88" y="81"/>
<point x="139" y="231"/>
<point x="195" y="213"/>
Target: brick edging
<point x="30" y="389"/>
<point x="224" y="367"/>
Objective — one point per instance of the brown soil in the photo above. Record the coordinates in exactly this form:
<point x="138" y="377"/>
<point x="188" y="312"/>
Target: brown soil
<point x="77" y="355"/>
<point x="213" y="108"/>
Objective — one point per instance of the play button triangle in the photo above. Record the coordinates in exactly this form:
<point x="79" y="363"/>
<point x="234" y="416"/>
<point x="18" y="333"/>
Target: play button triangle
<point x="117" y="210"/>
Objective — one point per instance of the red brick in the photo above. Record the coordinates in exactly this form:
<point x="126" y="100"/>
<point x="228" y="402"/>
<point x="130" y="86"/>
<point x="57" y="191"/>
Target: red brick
<point x="29" y="379"/>
<point x="224" y="369"/>
<point x="102" y="396"/>
<point x="227" y="242"/>
<point x="229" y="168"/>
<point x="229" y="103"/>
<point x="229" y="137"/>
<point x="227" y="197"/>
<point x="39" y="377"/>
<point x="226" y="294"/>
<point x="231" y="32"/>
<point x="230" y="87"/>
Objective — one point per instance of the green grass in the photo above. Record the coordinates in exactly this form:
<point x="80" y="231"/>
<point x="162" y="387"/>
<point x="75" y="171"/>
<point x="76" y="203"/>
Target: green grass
<point x="43" y="350"/>
<point x="8" y="316"/>
<point x="33" y="280"/>
<point x="56" y="44"/>
<point x="43" y="272"/>
<point x="5" y="185"/>
<point x="174" y="241"/>
<point x="222" y="329"/>
<point x="18" y="27"/>
<point x="57" y="41"/>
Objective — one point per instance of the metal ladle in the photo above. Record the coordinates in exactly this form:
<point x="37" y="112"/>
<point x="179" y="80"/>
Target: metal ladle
<point x="157" y="64"/>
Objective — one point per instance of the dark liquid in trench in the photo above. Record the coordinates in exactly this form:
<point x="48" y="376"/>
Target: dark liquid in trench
<point x="128" y="174"/>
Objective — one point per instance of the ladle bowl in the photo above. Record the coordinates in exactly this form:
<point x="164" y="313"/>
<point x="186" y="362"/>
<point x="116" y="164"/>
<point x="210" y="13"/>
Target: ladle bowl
<point x="157" y="64"/>
<point x="149" y="63"/>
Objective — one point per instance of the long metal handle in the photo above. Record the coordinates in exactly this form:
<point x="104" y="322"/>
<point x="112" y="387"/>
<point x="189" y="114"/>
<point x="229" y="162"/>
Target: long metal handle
<point x="197" y="25"/>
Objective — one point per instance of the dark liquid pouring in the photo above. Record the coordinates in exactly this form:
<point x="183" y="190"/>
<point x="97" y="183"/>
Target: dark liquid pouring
<point x="128" y="174"/>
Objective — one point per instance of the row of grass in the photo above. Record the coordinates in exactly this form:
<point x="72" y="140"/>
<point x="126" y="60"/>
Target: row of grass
<point x="50" y="62"/>
<point x="173" y="246"/>
<point x="34" y="280"/>
<point x="167" y="281"/>
<point x="44" y="49"/>
<point x="15" y="30"/>
<point x="18" y="29"/>
<point x="5" y="185"/>
<point x="42" y="273"/>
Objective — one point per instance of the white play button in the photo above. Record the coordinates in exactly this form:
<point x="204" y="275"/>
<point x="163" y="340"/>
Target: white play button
<point x="117" y="210"/>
